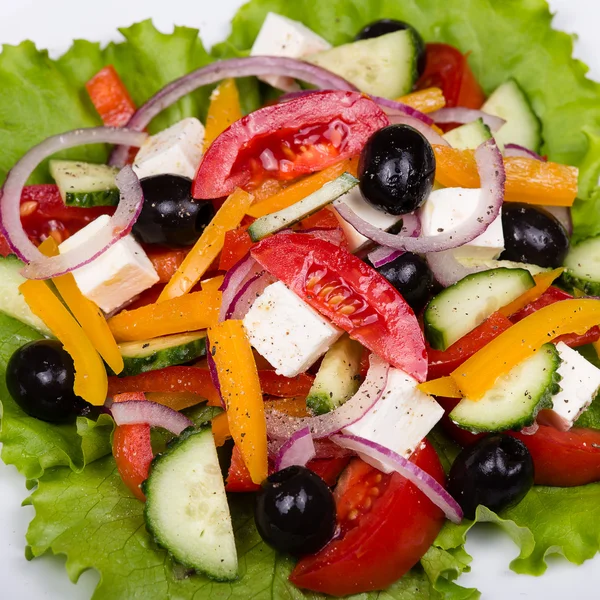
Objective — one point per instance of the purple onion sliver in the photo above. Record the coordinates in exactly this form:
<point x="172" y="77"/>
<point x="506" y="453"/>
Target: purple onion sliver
<point x="150" y="413"/>
<point x="433" y="137"/>
<point x="298" y="450"/>
<point x="382" y="256"/>
<point x="281" y="426"/>
<point x="234" y="280"/>
<point x="520" y="151"/>
<point x="248" y="293"/>
<point x="460" y="114"/>
<point x="212" y="371"/>
<point x="394" y="462"/>
<point x="394" y="105"/>
<point x="224" y="69"/>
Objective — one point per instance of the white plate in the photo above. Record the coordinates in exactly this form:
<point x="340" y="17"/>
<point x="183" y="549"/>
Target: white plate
<point x="55" y="24"/>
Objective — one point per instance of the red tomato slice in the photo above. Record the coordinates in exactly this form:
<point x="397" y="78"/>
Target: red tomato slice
<point x="286" y="140"/>
<point x="272" y="384"/>
<point x="386" y="525"/>
<point x="165" y="260"/>
<point x="236" y="245"/>
<point x="447" y="68"/>
<point x="351" y="294"/>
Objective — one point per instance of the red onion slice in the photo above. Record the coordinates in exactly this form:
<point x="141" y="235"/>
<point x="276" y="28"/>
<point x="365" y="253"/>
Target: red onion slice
<point x="20" y="173"/>
<point x="492" y="176"/>
<point x="281" y="426"/>
<point x="460" y="114"/>
<point x="381" y="455"/>
<point x="522" y="152"/>
<point x="235" y="278"/>
<point x="117" y="227"/>
<point x="252" y="288"/>
<point x="225" y="69"/>
<point x="298" y="450"/>
<point x="447" y="270"/>
<point x="433" y="137"/>
<point x="133" y="412"/>
<point x="393" y="106"/>
<point x="382" y="255"/>
<point x="212" y="371"/>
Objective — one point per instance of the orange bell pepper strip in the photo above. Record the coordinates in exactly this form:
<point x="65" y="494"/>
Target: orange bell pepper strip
<point x="224" y="109"/>
<point x="207" y="248"/>
<point x="542" y="282"/>
<point x="176" y="400"/>
<point x="90" y="374"/>
<point x="240" y="389"/>
<point x="527" y="180"/>
<point x="479" y="372"/>
<point x="293" y="407"/>
<point x="220" y="429"/>
<point x="191" y="312"/>
<point x="89" y="316"/>
<point x="443" y="386"/>
<point x="426" y="100"/>
<point x="299" y="190"/>
<point x="110" y="97"/>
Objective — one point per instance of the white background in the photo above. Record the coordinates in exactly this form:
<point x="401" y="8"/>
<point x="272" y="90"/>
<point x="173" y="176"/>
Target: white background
<point x="53" y="24"/>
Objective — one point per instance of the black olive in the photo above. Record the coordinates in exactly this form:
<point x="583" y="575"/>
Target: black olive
<point x="396" y="169"/>
<point x="170" y="215"/>
<point x="295" y="511"/>
<point x="496" y="471"/>
<point x="385" y="26"/>
<point x="40" y="378"/>
<point x="412" y="277"/>
<point x="532" y="235"/>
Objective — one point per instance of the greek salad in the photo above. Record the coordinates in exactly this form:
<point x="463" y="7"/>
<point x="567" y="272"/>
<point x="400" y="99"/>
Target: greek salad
<point x="317" y="337"/>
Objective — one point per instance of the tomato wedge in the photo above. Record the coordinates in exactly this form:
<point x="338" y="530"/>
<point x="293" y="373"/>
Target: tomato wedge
<point x="386" y="525"/>
<point x="286" y="140"/>
<point x="447" y="68"/>
<point x="351" y="294"/>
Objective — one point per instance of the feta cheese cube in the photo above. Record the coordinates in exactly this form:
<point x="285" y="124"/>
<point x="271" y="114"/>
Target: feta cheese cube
<point x="176" y="150"/>
<point x="447" y="208"/>
<point x="286" y="331"/>
<point x="364" y="210"/>
<point x="115" y="277"/>
<point x="580" y="383"/>
<point x="400" y="420"/>
<point x="280" y="36"/>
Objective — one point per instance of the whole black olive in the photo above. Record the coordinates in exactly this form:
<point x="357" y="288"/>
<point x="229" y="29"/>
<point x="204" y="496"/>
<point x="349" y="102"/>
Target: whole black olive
<point x="385" y="26"/>
<point x="396" y="169"/>
<point x="40" y="378"/>
<point x="295" y="511"/>
<point x="533" y="236"/>
<point x="412" y="277"/>
<point x="497" y="472"/>
<point x="170" y="215"/>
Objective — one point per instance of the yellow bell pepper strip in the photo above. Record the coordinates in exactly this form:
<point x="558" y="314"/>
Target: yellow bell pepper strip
<point x="443" y="387"/>
<point x="220" y="429"/>
<point x="176" y="400"/>
<point x="299" y="190"/>
<point x="207" y="248"/>
<point x="527" y="180"/>
<point x="240" y="389"/>
<point x="87" y="313"/>
<point x="91" y="382"/>
<point x="191" y="312"/>
<point x="542" y="282"/>
<point x="479" y="372"/>
<point x="426" y="100"/>
<point x="224" y="110"/>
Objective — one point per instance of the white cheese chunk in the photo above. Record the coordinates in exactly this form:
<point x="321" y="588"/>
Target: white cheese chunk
<point x="448" y="208"/>
<point x="400" y="420"/>
<point x="280" y="36"/>
<point x="287" y="332"/>
<point x="115" y="277"/>
<point x="176" y="150"/>
<point x="579" y="386"/>
<point x="365" y="211"/>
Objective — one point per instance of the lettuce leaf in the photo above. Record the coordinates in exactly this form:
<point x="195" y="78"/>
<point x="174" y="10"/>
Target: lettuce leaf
<point x="40" y="97"/>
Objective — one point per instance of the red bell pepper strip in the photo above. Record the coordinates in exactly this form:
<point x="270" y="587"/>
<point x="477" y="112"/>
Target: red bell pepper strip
<point x="132" y="450"/>
<point x="236" y="245"/>
<point x="110" y="97"/>
<point x="272" y="384"/>
<point x="166" y="261"/>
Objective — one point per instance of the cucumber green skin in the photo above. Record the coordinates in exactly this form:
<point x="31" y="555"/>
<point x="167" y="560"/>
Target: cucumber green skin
<point x="92" y="199"/>
<point x="172" y="446"/>
<point x="320" y="403"/>
<point x="587" y="286"/>
<point x="544" y="401"/>
<point x="168" y="357"/>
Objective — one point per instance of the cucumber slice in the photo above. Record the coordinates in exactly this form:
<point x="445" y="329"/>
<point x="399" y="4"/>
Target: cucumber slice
<point x="338" y="378"/>
<point x="85" y="184"/>
<point x="382" y="66"/>
<point x="12" y="302"/>
<point x="469" y="302"/>
<point x="186" y="506"/>
<point x="522" y="125"/>
<point x="516" y="398"/>
<point x="488" y="264"/>
<point x="583" y="266"/>
<point x="281" y="219"/>
<point x="166" y="351"/>
<point x="469" y="136"/>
